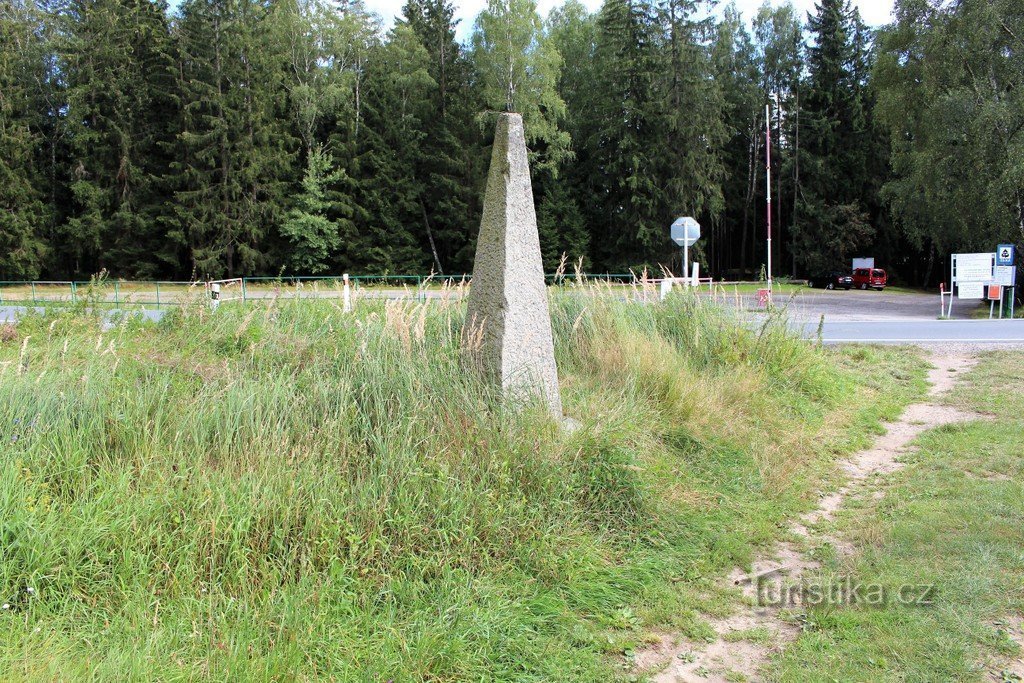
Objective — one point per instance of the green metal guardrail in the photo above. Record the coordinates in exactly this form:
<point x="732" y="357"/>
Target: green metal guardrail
<point x="71" y="291"/>
<point x="148" y="292"/>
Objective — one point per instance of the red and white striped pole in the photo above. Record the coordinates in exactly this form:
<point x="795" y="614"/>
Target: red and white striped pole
<point x="768" y="175"/>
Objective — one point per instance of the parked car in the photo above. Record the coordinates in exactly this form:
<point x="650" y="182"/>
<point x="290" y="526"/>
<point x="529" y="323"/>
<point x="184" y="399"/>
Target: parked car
<point x="875" y="278"/>
<point x="831" y="280"/>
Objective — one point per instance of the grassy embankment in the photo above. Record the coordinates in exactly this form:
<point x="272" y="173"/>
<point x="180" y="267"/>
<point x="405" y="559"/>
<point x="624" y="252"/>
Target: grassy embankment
<point x="284" y="491"/>
<point x="954" y="518"/>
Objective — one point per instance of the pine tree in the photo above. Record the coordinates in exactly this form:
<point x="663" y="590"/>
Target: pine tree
<point x="778" y="39"/>
<point x="450" y="165"/>
<point x="736" y="70"/>
<point x="695" y="131"/>
<point x="388" y="192"/>
<point x="562" y="227"/>
<point x="23" y="214"/>
<point x="314" y="237"/>
<point x="628" y="173"/>
<point x="116" y="61"/>
<point x="235" y="158"/>
<point x="834" y="220"/>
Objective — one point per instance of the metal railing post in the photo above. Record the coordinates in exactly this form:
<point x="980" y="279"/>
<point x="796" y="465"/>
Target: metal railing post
<point x="74" y="292"/>
<point x="117" y="299"/>
<point x="33" y="284"/>
<point x="158" y="296"/>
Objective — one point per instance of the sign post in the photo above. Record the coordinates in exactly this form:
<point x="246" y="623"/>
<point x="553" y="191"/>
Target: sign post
<point x="685" y="232"/>
<point x="970" y="273"/>
<point x="1006" y="273"/>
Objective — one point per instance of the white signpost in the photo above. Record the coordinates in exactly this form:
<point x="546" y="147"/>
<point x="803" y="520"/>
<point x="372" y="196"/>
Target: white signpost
<point x="1005" y="273"/>
<point x="969" y="275"/>
<point x="685" y="232"/>
<point x="973" y="274"/>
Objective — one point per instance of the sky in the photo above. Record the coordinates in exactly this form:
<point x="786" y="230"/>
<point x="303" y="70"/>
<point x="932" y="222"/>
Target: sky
<point x="874" y="12"/>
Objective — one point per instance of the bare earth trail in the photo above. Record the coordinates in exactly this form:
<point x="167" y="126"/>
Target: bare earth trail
<point x="734" y="654"/>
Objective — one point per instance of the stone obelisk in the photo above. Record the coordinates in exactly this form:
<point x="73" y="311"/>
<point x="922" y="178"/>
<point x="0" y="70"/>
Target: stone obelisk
<point x="508" y="325"/>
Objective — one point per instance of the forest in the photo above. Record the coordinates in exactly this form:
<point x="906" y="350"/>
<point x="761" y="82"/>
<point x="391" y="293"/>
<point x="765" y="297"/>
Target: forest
<point x="227" y="138"/>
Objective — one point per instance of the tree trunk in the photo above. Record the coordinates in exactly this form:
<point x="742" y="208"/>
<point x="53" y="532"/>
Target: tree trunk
<point x="430" y="236"/>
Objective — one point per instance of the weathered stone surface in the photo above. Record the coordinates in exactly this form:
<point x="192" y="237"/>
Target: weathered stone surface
<point x="508" y="324"/>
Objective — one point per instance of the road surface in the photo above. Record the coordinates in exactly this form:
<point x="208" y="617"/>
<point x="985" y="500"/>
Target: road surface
<point x="849" y="317"/>
<point x="915" y="331"/>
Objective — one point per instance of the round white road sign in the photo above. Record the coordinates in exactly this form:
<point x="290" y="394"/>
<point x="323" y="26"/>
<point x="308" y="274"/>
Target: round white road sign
<point x="685" y="231"/>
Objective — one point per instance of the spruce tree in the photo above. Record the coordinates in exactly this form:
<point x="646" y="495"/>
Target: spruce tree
<point x="450" y="164"/>
<point x="236" y="153"/>
<point x="834" y="220"/>
<point x="116" y="60"/>
<point x="23" y="213"/>
<point x="312" y="235"/>
<point x="387" y="191"/>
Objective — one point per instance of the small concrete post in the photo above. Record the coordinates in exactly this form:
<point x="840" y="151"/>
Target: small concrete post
<point x="346" y="295"/>
<point x="508" y="324"/>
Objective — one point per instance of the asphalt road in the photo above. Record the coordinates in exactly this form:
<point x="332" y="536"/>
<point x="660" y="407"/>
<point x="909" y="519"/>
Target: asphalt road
<point x="808" y="305"/>
<point x="849" y="317"/>
<point x="974" y="332"/>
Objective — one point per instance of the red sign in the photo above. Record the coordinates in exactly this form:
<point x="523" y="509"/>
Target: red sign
<point x="995" y="292"/>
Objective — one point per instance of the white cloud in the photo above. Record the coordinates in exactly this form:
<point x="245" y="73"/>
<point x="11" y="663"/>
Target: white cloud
<point x="874" y="12"/>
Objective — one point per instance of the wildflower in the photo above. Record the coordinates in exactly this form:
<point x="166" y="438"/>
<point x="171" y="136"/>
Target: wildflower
<point x="30" y="590"/>
<point x="7" y="605"/>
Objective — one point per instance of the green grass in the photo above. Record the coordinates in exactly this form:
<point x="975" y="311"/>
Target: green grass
<point x="953" y="518"/>
<point x="280" y="491"/>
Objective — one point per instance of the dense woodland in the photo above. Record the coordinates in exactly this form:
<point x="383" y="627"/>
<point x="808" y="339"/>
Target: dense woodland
<point x="245" y="137"/>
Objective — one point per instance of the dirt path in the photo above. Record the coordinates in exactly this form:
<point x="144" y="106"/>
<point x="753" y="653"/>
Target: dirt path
<point x="748" y="637"/>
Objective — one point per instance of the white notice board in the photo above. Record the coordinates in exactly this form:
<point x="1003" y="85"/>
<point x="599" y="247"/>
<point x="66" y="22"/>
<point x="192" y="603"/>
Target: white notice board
<point x="973" y="267"/>
<point x="971" y="290"/>
<point x="1004" y="275"/>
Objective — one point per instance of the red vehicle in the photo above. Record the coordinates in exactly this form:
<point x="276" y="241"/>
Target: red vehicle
<point x="875" y="278"/>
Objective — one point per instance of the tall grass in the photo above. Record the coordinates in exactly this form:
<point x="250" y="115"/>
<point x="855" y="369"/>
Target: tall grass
<point x="283" y="491"/>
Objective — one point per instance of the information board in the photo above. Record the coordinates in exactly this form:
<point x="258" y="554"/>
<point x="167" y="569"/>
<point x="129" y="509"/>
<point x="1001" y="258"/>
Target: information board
<point x="972" y="267"/>
<point x="971" y="290"/>
<point x="1004" y="275"/>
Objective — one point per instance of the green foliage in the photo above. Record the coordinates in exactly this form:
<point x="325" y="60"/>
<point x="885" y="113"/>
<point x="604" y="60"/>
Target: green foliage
<point x="518" y="68"/>
<point x="23" y="213"/>
<point x="165" y="145"/>
<point x="832" y="204"/>
<point x="949" y="80"/>
<point x="562" y="227"/>
<point x="235" y="153"/>
<point x="313" y="235"/>
<point x="116" y="59"/>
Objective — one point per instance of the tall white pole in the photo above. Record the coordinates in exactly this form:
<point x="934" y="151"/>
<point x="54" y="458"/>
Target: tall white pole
<point x="686" y="262"/>
<point x="768" y="164"/>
